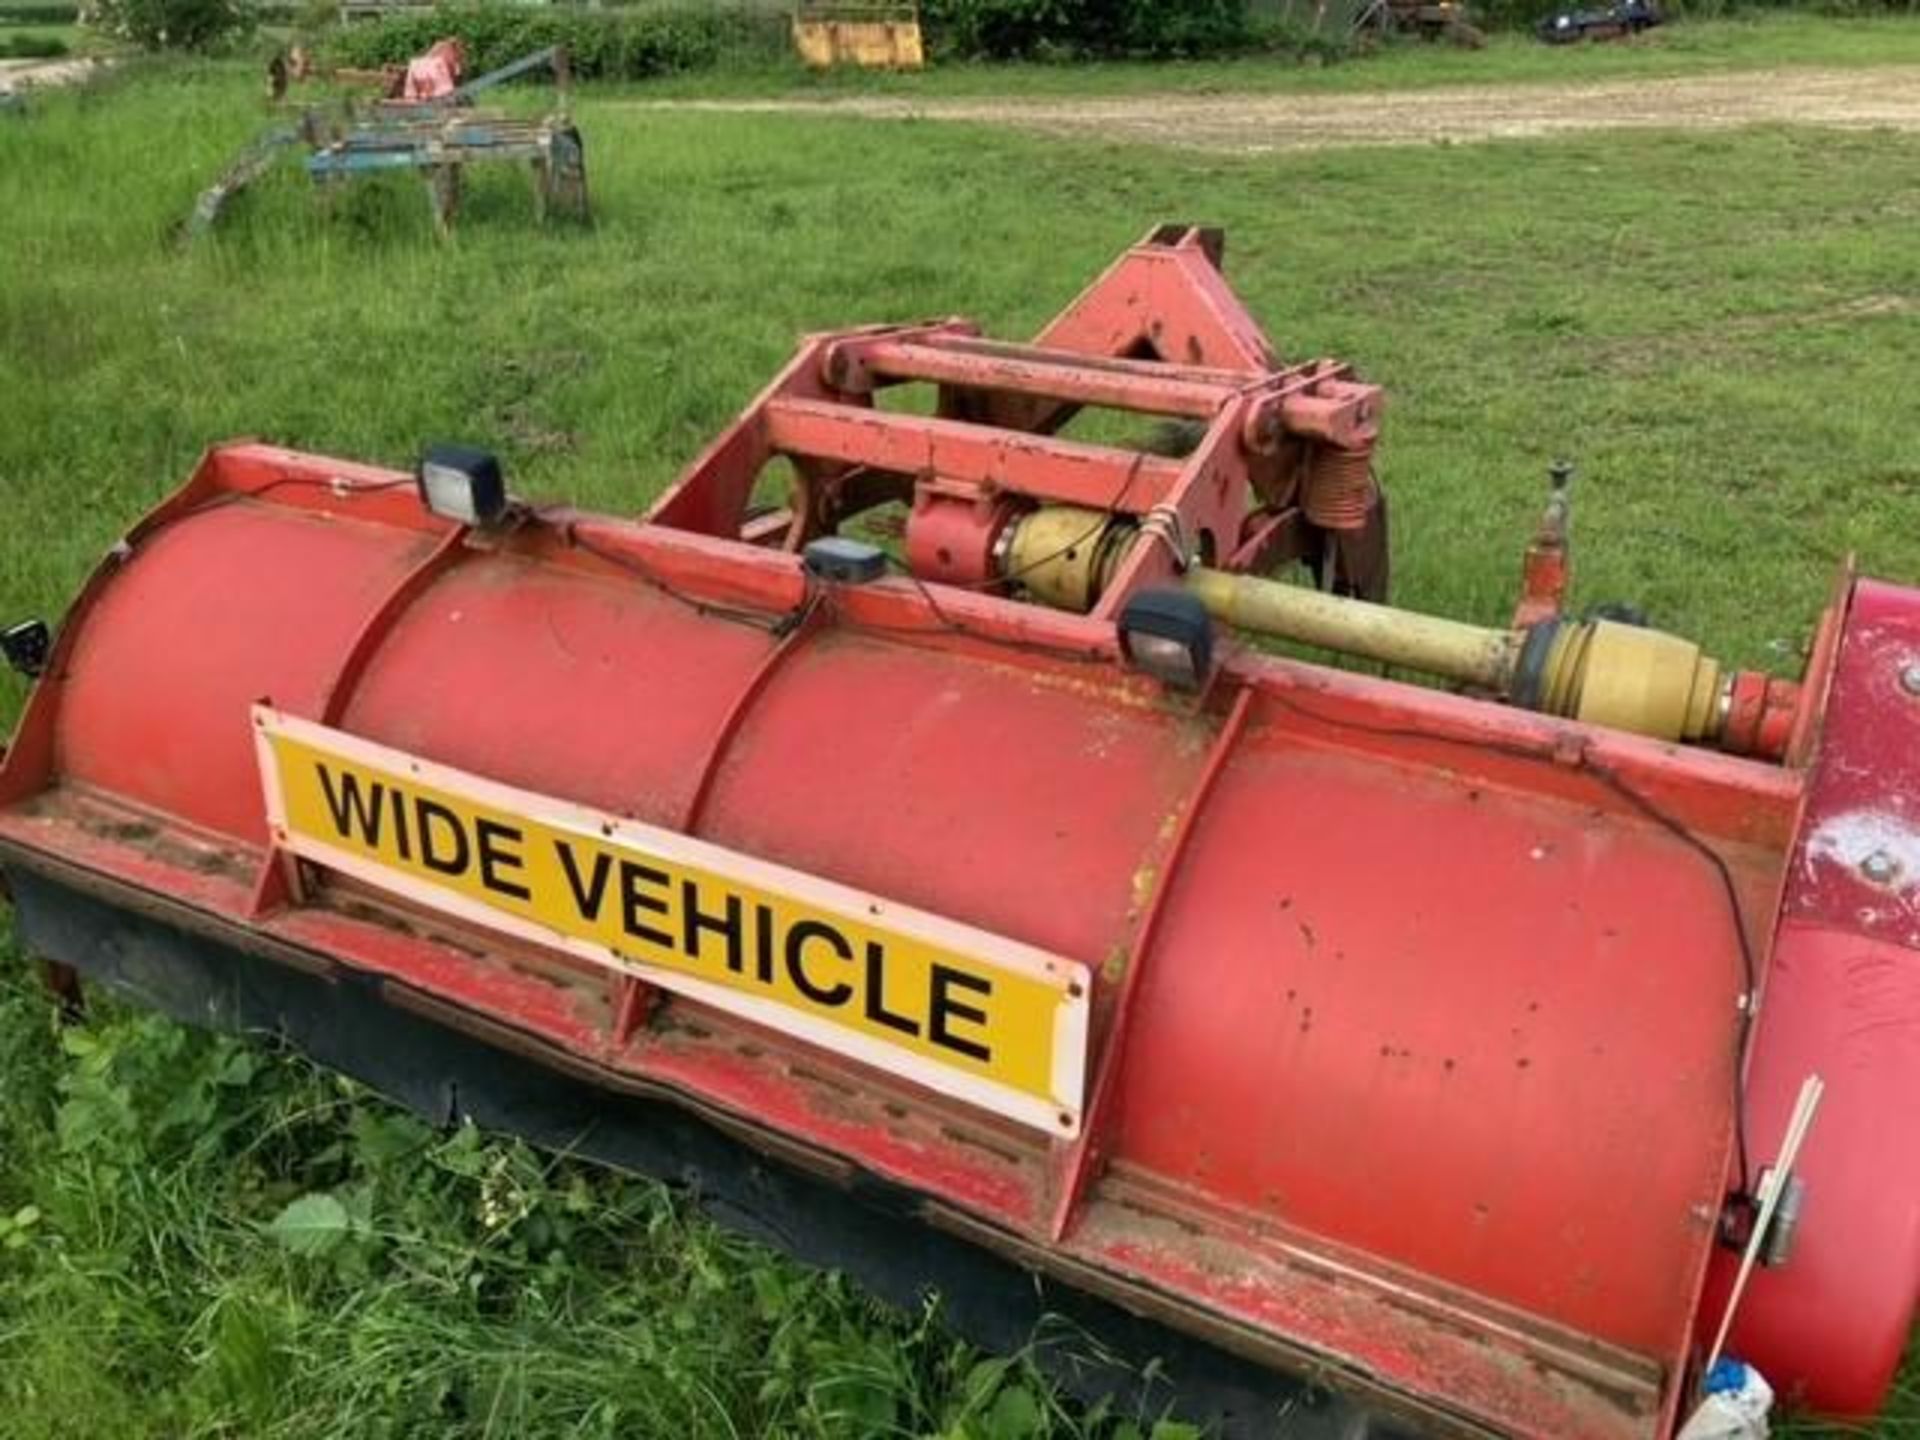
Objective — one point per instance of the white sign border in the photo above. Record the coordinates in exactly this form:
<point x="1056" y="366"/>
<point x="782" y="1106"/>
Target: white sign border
<point x="1060" y="1116"/>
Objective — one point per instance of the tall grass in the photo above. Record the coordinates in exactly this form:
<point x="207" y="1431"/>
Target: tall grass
<point x="162" y="1272"/>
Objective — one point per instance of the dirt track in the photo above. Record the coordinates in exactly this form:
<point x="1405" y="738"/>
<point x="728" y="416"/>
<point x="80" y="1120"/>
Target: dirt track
<point x="26" y="74"/>
<point x="1878" y="97"/>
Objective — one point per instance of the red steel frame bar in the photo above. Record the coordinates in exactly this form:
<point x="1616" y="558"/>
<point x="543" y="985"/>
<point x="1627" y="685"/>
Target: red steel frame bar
<point x="1159" y="335"/>
<point x="1148" y="387"/>
<point x="1089" y="1152"/>
<point x="1037" y="466"/>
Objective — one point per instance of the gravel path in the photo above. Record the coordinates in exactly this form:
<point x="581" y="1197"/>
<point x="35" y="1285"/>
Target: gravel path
<point x="28" y="74"/>
<point x="1880" y="97"/>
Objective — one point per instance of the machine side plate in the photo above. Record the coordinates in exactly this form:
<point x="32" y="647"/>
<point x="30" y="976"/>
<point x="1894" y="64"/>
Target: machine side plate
<point x="982" y="1018"/>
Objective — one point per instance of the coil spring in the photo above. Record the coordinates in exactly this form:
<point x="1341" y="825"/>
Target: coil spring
<point x="1339" y="491"/>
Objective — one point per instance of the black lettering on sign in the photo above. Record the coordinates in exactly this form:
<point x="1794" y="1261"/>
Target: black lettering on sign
<point x="763" y="943"/>
<point x="944" y="1009"/>
<point x="876" y="995"/>
<point x="496" y="857"/>
<point x="355" y="812"/>
<point x="443" y="839"/>
<point x="402" y="840"/>
<point x="839" y="992"/>
<point x="694" y="922"/>
<point x="589" y="891"/>
<point x="633" y="900"/>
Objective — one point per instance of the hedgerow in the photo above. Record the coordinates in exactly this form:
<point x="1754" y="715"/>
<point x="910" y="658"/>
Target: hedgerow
<point x="642" y="44"/>
<point x="1006" y="29"/>
<point x="31" y="47"/>
<point x="601" y="44"/>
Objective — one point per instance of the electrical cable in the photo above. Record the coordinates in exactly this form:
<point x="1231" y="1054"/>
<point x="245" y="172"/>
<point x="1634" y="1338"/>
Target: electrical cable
<point x="338" y="485"/>
<point x="779" y="622"/>
<point x="946" y="624"/>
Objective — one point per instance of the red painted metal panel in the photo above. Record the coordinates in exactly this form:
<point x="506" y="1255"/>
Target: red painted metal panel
<point x="1494" y="1368"/>
<point x="1485" y="1032"/>
<point x="210" y="614"/>
<point x="953" y="786"/>
<point x="590" y="688"/>
<point x="1843" y="1000"/>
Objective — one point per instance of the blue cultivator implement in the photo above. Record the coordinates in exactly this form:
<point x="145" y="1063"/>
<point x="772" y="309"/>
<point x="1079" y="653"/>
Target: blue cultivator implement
<point x="437" y="137"/>
<point x="441" y="145"/>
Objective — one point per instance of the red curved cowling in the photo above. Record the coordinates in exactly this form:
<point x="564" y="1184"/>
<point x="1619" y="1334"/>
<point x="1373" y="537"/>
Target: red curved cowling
<point x="1414" y="1018"/>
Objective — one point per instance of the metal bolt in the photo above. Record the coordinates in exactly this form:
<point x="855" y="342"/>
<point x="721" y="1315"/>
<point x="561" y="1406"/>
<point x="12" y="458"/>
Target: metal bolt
<point x="1910" y="678"/>
<point x="1880" y="867"/>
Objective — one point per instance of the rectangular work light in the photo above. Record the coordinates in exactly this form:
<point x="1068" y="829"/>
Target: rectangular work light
<point x="1168" y="635"/>
<point x="463" y="484"/>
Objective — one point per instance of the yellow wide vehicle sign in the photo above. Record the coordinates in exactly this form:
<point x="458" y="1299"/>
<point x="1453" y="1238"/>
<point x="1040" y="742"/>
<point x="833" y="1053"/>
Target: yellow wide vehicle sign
<point x="985" y="1019"/>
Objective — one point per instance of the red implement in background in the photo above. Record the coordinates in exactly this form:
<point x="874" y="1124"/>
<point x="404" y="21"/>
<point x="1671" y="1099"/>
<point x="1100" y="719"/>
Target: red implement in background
<point x="1415" y="1025"/>
<point x="435" y="74"/>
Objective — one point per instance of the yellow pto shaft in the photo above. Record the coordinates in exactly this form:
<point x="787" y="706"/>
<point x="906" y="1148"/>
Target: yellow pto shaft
<point x="1604" y="672"/>
<point x="1599" y="671"/>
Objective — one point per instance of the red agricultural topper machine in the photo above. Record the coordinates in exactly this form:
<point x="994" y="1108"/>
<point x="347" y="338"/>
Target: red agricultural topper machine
<point x="1386" y="1060"/>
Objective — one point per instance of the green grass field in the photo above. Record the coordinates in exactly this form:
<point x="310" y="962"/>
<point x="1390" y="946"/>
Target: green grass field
<point x="1720" y="329"/>
<point x="37" y="41"/>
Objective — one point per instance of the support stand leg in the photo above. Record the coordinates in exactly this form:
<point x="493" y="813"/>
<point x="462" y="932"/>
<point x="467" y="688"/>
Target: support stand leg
<point x="443" y="191"/>
<point x="63" y="983"/>
<point x="542" y="189"/>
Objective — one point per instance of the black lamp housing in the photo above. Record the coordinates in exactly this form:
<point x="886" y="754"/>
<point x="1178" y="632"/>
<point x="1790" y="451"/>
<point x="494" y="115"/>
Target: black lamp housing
<point x="459" y="482"/>
<point x="26" y="645"/>
<point x="1169" y="635"/>
<point x="844" y="561"/>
